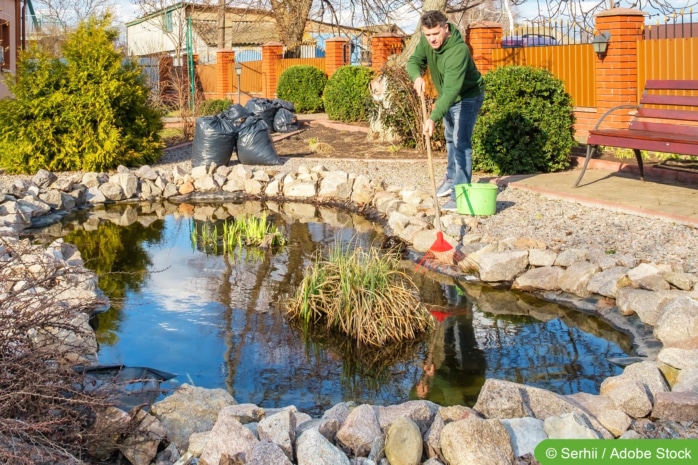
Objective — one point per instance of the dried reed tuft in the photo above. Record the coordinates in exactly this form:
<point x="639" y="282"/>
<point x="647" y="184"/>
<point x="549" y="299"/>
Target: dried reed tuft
<point x="362" y="294"/>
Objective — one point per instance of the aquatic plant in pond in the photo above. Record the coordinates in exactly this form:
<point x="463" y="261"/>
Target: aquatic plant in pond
<point x="235" y="233"/>
<point x="362" y="294"/>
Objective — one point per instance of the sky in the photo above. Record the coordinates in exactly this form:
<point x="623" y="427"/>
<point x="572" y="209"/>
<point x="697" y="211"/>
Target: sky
<point x="126" y="11"/>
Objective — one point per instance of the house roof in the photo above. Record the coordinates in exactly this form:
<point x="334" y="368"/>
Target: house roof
<point x="238" y="33"/>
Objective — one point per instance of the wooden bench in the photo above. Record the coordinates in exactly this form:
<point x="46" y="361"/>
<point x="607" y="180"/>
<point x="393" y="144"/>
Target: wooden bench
<point x="664" y="122"/>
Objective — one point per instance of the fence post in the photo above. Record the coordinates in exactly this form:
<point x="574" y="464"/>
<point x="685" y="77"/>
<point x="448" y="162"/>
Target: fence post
<point x="382" y="47"/>
<point x="482" y="38"/>
<point x="337" y="54"/>
<point x="224" y="66"/>
<point x="616" y="73"/>
<point x="272" y="53"/>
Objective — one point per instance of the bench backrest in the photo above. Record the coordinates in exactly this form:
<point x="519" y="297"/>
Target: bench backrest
<point x="673" y="111"/>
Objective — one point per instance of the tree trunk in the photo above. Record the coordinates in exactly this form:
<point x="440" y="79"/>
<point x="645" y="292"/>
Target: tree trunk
<point x="414" y="39"/>
<point x="221" y="24"/>
<point x="291" y="17"/>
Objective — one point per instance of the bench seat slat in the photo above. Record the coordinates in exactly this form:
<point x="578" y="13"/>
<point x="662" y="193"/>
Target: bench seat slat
<point x="643" y="140"/>
<point x="682" y="115"/>
<point x="667" y="84"/>
<point x="662" y="127"/>
<point x="674" y="100"/>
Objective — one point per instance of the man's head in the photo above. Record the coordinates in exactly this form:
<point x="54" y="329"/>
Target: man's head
<point x="435" y="28"/>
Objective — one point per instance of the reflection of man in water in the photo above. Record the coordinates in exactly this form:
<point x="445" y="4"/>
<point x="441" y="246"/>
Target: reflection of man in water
<point x="455" y="367"/>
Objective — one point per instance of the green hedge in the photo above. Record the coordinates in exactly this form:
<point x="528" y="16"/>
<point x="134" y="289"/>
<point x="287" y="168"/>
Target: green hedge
<point x="303" y="86"/>
<point x="347" y="94"/>
<point x="214" y="106"/>
<point x="85" y="110"/>
<point x="526" y="124"/>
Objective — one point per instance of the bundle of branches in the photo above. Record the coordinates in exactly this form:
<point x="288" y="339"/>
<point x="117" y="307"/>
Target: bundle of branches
<point x="47" y="409"/>
<point x="399" y="109"/>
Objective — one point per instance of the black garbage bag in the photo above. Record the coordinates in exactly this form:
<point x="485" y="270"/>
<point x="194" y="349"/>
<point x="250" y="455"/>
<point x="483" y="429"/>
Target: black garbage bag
<point x="128" y="386"/>
<point x="281" y="103"/>
<point x="214" y="141"/>
<point x="264" y="108"/>
<point x="285" y="121"/>
<point x="236" y="114"/>
<point x="255" y="146"/>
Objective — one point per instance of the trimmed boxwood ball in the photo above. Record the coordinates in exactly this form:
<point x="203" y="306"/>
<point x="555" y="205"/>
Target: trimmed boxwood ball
<point x="526" y="124"/>
<point x="347" y="95"/>
<point x="303" y="86"/>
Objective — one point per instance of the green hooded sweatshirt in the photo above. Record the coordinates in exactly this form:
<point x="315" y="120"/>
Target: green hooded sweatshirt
<point x="452" y="71"/>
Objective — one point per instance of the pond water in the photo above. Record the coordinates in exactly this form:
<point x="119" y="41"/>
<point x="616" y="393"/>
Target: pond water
<point x="218" y="320"/>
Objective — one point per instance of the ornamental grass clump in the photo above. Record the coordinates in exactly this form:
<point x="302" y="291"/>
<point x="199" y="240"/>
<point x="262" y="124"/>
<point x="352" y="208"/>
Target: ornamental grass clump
<point x="362" y="294"/>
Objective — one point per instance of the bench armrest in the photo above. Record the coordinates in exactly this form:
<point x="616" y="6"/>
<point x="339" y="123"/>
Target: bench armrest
<point x="619" y="107"/>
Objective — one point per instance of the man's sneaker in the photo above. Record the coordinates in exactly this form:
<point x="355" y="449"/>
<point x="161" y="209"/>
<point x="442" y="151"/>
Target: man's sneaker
<point x="445" y="188"/>
<point x="450" y="206"/>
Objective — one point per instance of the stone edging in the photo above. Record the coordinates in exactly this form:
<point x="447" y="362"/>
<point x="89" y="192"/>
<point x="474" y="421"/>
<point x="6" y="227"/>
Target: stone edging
<point x="660" y="297"/>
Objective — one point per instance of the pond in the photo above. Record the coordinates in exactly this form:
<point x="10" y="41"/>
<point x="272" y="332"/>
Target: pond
<point x="218" y="320"/>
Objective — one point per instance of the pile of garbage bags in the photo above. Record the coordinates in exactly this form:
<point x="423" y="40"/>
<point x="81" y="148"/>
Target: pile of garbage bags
<point x="244" y="130"/>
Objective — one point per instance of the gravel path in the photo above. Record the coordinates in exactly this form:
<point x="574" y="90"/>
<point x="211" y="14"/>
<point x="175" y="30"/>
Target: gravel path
<point x="560" y="224"/>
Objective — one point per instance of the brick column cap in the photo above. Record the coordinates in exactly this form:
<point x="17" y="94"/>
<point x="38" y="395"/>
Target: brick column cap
<point x="273" y="44"/>
<point x="621" y="12"/>
<point x="484" y="24"/>
<point x="338" y="39"/>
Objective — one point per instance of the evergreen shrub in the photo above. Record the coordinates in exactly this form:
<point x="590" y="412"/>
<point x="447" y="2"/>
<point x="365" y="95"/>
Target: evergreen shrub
<point x="87" y="109"/>
<point x="526" y="124"/>
<point x="347" y="95"/>
<point x="303" y="86"/>
<point x="214" y="106"/>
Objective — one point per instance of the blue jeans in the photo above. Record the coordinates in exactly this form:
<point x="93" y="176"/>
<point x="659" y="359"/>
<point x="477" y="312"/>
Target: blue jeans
<point x="459" y="123"/>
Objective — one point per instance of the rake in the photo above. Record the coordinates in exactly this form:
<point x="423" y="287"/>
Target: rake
<point x="441" y="250"/>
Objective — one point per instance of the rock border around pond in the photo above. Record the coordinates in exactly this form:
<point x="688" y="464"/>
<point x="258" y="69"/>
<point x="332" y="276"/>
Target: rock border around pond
<point x="508" y="419"/>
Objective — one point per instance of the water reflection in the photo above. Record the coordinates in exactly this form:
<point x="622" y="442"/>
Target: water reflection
<point x="218" y="319"/>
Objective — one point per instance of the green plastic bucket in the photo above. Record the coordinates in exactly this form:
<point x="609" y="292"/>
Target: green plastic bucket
<point x="476" y="199"/>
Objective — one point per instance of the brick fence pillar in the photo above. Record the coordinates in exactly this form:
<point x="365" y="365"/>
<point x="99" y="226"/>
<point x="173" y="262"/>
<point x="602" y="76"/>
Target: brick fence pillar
<point x="225" y="60"/>
<point x="616" y="73"/>
<point x="337" y="54"/>
<point x="382" y="47"/>
<point x="272" y="53"/>
<point x="482" y="38"/>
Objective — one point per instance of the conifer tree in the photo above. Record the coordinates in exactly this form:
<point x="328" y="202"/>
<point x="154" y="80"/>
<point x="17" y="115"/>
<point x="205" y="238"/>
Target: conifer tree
<point x="86" y="109"/>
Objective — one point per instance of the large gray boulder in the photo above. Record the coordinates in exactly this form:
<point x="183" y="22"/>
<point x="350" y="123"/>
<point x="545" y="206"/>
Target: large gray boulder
<point x="505" y="399"/>
<point x="314" y="449"/>
<point x="229" y="438"/>
<point x="190" y="409"/>
<point x="359" y="429"/>
<point x="476" y="442"/>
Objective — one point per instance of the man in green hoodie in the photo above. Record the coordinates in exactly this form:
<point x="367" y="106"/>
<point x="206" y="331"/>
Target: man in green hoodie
<point x="461" y="91"/>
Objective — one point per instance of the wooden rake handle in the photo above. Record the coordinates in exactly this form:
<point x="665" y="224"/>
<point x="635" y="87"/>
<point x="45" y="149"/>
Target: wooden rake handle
<point x="427" y="139"/>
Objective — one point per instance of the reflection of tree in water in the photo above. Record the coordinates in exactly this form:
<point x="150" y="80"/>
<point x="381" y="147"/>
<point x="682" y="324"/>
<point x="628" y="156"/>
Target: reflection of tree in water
<point x="366" y="372"/>
<point x="554" y="356"/>
<point x="117" y="255"/>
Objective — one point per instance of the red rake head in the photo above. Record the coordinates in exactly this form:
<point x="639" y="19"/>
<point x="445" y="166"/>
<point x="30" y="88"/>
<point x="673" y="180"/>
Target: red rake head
<point x="440" y="316"/>
<point x="440" y="244"/>
<point x="440" y="251"/>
